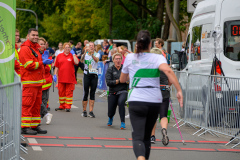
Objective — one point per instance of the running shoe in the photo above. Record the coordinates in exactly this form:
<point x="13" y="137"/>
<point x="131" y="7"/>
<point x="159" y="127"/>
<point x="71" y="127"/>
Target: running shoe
<point x="127" y="116"/>
<point x="165" y="139"/>
<point x="122" y="125"/>
<point x="91" y="115"/>
<point x="153" y="139"/>
<point x="110" y="120"/>
<point x="84" y="114"/>
<point x="48" y="118"/>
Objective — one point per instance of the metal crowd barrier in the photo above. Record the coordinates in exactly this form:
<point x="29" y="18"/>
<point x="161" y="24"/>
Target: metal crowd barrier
<point x="211" y="103"/>
<point x="10" y="120"/>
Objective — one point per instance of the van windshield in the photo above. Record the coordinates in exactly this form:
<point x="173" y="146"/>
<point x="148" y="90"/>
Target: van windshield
<point x="232" y="40"/>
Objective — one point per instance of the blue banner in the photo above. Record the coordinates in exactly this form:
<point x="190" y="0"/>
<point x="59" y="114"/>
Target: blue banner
<point x="102" y="70"/>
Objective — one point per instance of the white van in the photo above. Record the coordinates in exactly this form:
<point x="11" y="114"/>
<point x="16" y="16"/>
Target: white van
<point x="221" y="17"/>
<point x="214" y="15"/>
<point x="119" y="42"/>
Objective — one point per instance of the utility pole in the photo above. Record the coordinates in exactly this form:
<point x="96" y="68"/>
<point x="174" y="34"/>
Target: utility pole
<point x="176" y="17"/>
<point x="110" y="20"/>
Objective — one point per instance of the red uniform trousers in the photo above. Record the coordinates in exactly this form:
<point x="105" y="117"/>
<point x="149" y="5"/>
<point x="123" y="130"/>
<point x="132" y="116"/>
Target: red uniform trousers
<point x="65" y="91"/>
<point x="31" y="106"/>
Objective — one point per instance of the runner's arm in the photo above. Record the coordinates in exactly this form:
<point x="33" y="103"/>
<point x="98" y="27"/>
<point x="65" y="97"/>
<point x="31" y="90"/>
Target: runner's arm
<point x="96" y="59"/>
<point x="124" y="78"/>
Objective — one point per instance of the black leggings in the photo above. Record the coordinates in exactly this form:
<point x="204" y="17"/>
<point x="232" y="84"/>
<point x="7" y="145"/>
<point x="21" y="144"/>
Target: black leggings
<point x="90" y="80"/>
<point x="113" y="101"/>
<point x="143" y="117"/>
<point x="164" y="108"/>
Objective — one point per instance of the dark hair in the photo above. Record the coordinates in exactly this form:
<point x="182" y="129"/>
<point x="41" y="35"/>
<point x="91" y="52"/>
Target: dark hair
<point x="111" y="40"/>
<point x="160" y="41"/>
<point x="71" y="41"/>
<point x="143" y="40"/>
<point x="106" y="41"/>
<point x="32" y="29"/>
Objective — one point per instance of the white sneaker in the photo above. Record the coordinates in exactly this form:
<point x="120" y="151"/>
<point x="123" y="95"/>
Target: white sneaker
<point x="48" y="118"/>
<point x="127" y="116"/>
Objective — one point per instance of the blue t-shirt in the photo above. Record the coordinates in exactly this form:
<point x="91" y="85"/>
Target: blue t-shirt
<point x="50" y="50"/>
<point x="78" y="51"/>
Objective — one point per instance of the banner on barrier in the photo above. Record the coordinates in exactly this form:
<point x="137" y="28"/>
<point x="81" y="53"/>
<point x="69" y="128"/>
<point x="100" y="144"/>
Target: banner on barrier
<point x="7" y="40"/>
<point x="102" y="69"/>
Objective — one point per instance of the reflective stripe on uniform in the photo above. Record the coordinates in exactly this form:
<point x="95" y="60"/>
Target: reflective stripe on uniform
<point x="32" y="82"/>
<point x="37" y="65"/>
<point x="36" y="118"/>
<point x="25" y="124"/>
<point x="47" y="85"/>
<point x="69" y="98"/>
<point x="61" y="98"/>
<point x="27" y="63"/>
<point x="26" y="119"/>
<point x="34" y="124"/>
<point x="68" y="102"/>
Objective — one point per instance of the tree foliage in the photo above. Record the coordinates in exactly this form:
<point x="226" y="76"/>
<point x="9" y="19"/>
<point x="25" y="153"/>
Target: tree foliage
<point x="62" y="20"/>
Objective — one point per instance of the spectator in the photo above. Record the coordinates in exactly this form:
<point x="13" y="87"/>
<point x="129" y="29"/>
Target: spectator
<point x="85" y="43"/>
<point x="60" y="49"/>
<point x="100" y="51"/>
<point x="105" y="46"/>
<point x="78" y="51"/>
<point x="124" y="51"/>
<point x="17" y="62"/>
<point x="183" y="46"/>
<point x="117" y="91"/>
<point x="47" y="85"/>
<point x="71" y="42"/>
<point x="65" y="77"/>
<point x="110" y="46"/>
<point x="159" y="43"/>
<point x="50" y="50"/>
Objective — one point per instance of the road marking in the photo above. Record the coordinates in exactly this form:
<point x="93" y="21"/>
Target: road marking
<point x="115" y="146"/>
<point x="74" y="137"/>
<point x="84" y="146"/>
<point x="47" y="137"/>
<point x="33" y="141"/>
<point x="46" y="145"/>
<point x="198" y="149"/>
<point x="212" y="141"/>
<point x="105" y="138"/>
<point x="74" y="106"/>
<point x="229" y="150"/>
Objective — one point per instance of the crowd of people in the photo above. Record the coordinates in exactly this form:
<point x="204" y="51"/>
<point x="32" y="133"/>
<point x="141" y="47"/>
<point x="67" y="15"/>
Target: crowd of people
<point x="142" y="78"/>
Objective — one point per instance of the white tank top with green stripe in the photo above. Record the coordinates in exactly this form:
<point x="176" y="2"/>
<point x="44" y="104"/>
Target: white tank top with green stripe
<point x="144" y="76"/>
<point x="89" y="61"/>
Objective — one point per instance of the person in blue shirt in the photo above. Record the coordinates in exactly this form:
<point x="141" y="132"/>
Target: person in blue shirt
<point x="50" y="50"/>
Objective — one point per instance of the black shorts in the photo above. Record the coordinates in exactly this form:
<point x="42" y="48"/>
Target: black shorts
<point x="164" y="108"/>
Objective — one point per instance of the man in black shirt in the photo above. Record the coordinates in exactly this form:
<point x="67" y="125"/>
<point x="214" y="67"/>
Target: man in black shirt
<point x="50" y="50"/>
<point x="78" y="51"/>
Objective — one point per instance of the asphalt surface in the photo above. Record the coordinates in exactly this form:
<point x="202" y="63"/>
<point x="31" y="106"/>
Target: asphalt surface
<point x="73" y="137"/>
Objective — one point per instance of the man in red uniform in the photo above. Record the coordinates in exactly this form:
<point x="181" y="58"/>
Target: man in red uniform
<point x="32" y="77"/>
<point x="17" y="63"/>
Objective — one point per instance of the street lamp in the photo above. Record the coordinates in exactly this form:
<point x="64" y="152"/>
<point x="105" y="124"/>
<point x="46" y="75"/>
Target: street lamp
<point x="28" y="10"/>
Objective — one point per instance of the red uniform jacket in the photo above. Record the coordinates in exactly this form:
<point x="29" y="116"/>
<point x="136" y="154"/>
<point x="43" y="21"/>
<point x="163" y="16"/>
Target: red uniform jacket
<point x="32" y="68"/>
<point x="48" y="76"/>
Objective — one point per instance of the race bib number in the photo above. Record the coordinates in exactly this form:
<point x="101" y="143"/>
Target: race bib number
<point x="93" y="71"/>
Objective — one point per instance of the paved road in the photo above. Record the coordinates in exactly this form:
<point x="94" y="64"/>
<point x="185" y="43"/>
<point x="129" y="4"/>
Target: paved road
<point x="73" y="137"/>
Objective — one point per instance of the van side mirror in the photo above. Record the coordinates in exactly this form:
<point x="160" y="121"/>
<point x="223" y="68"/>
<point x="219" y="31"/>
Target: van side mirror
<point x="229" y="49"/>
